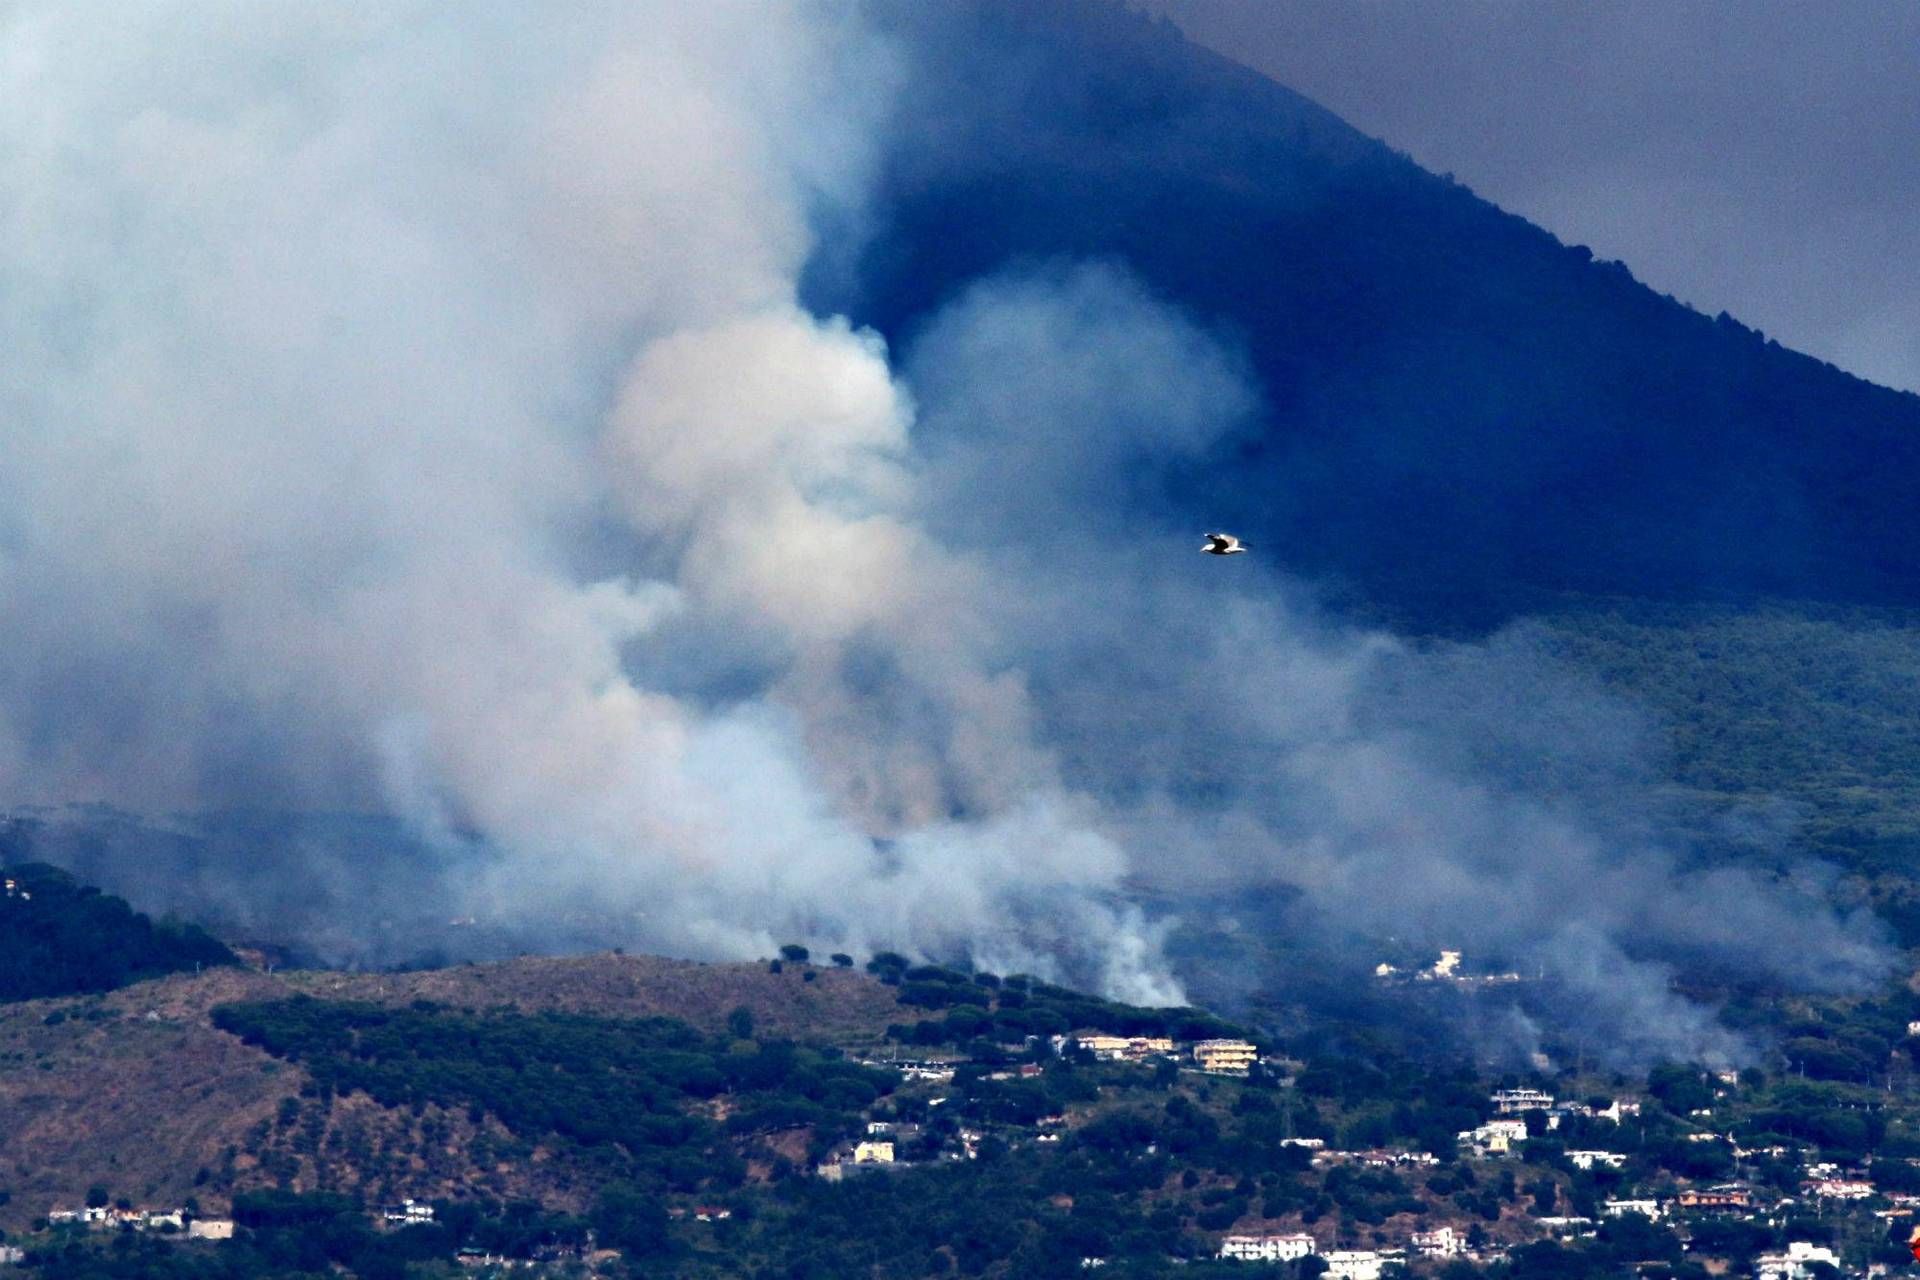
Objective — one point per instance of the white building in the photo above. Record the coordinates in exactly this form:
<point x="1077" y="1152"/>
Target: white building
<point x="1495" y="1137"/>
<point x="1511" y="1102"/>
<point x="1621" y="1208"/>
<point x="1105" y="1047"/>
<point x="1840" y="1189"/>
<point x="1566" y="1226"/>
<point x="1266" y="1248"/>
<point x="1795" y="1264"/>
<point x="1353" y="1264"/>
<point x="409" y="1212"/>
<point x="1441" y="1242"/>
<point x="1588" y="1159"/>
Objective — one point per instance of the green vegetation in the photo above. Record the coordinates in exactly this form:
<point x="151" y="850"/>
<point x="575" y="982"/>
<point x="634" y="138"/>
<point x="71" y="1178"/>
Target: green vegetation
<point x="1816" y="707"/>
<point x="1003" y="1172"/>
<point x="622" y="1089"/>
<point x="58" y="937"/>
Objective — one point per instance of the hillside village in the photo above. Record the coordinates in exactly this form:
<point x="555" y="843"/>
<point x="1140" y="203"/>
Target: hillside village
<point x="1612" y="1188"/>
<point x="1665" y="1171"/>
<point x="886" y="1112"/>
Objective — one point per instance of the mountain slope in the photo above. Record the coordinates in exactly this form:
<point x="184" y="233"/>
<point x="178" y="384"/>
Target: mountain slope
<point x="137" y="1090"/>
<point x="1462" y="413"/>
<point x="58" y="937"/>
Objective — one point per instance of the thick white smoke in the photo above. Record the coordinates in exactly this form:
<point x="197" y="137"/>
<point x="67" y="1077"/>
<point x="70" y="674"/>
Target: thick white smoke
<point x="380" y="382"/>
<point x="411" y="409"/>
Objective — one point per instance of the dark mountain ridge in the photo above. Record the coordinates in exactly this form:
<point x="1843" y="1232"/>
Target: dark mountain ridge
<point x="59" y="937"/>
<point x="1461" y="412"/>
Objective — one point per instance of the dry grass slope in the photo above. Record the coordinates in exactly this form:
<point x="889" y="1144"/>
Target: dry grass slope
<point x="138" y="1092"/>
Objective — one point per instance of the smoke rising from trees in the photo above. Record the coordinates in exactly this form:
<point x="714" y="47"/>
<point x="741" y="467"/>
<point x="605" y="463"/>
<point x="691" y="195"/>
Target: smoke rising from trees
<point x="414" y="412"/>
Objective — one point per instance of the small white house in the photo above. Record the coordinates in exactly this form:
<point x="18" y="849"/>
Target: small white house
<point x="1441" y="1242"/>
<point x="1795" y="1264"/>
<point x="1588" y="1159"/>
<point x="1621" y="1208"/>
<point x="1267" y="1248"/>
<point x="1353" y="1264"/>
<point x="1495" y="1137"/>
<point x="1511" y="1102"/>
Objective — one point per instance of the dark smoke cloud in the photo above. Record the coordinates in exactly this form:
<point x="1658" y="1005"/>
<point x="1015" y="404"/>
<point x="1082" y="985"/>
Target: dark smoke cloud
<point x="415" y="414"/>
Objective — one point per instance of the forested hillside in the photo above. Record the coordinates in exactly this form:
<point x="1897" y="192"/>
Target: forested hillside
<point x="1461" y="411"/>
<point x="342" y="1125"/>
<point x="1814" y="711"/>
<point x="58" y="937"/>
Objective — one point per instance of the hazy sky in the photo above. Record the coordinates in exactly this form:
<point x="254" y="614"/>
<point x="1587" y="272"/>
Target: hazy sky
<point x="1762" y="158"/>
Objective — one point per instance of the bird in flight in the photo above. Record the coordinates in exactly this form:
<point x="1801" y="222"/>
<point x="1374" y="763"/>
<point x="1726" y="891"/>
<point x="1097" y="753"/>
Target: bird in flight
<point x="1223" y="544"/>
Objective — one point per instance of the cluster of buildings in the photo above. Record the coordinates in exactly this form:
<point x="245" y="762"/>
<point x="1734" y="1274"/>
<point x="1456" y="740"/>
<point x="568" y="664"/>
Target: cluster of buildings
<point x="1797" y="1263"/>
<point x="14" y="889"/>
<point x="1347" y="1264"/>
<point x="1342" y="1264"/>
<point x="407" y="1213"/>
<point x="1223" y="1057"/>
<point x="1497" y="1136"/>
<point x="1736" y="1197"/>
<point x="104" y="1218"/>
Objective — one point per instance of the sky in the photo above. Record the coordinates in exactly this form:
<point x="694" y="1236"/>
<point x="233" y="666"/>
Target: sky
<point x="1761" y="158"/>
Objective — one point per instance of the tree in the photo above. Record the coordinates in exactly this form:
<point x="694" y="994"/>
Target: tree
<point x="740" y="1023"/>
<point x="97" y="1197"/>
<point x="888" y="966"/>
<point x="630" y="1220"/>
<point x="1545" y="1193"/>
<point x="841" y="960"/>
<point x="795" y="953"/>
<point x="1680" y="1088"/>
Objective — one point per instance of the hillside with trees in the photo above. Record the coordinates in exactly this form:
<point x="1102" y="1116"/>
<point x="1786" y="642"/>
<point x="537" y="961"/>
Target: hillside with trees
<point x="59" y="937"/>
<point x="1461" y="413"/>
<point x="309" y="1108"/>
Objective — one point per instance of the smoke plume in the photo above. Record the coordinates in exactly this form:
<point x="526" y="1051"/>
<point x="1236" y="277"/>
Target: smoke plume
<point x="413" y="411"/>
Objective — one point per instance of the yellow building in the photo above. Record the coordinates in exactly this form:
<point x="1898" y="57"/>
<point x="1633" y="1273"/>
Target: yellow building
<point x="1104" y="1046"/>
<point x="1225" y="1057"/>
<point x="873" y="1153"/>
